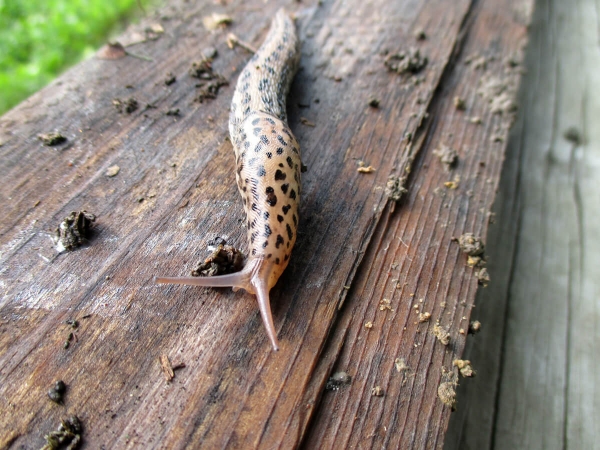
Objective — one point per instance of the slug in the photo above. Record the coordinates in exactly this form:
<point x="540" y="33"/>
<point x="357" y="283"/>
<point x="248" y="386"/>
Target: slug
<point x="268" y="165"/>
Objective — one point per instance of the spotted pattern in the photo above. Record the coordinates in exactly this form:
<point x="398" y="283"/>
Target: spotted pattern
<point x="267" y="153"/>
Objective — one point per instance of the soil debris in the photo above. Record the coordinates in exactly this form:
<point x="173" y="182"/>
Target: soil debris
<point x="483" y="277"/>
<point x="374" y="102"/>
<point x="126" y="106"/>
<point x="385" y="304"/>
<point x="223" y="260"/>
<point x="52" y="139"/>
<point x="57" y="391"/>
<point x="170" y="79"/>
<point x="362" y="168"/>
<point x="459" y="103"/>
<point x="474" y="327"/>
<point x="464" y="367"/>
<point x="73" y="230"/>
<point x="447" y="389"/>
<point x="498" y="94"/>
<point x="453" y="184"/>
<point x="338" y="380"/>
<point x="441" y="334"/>
<point x="67" y="436"/>
<point x="203" y="71"/>
<point x="172" y="112"/>
<point x="471" y="245"/>
<point x="400" y="364"/>
<point x="394" y="188"/>
<point x="407" y="61"/>
<point x="112" y="171"/>
<point x="210" y="53"/>
<point x="447" y="156"/>
<point x="420" y="35"/>
<point x="368" y="325"/>
<point x="377" y="391"/>
<point x="424" y="317"/>
<point x="216" y="20"/>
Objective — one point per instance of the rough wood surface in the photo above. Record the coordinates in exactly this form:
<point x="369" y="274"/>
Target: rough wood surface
<point x="541" y="388"/>
<point x="175" y="192"/>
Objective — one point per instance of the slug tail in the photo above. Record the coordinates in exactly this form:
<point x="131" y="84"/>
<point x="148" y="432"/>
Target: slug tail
<point x="264" y="305"/>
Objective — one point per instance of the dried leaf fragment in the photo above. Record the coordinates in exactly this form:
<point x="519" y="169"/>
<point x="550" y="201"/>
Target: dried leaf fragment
<point x="112" y="51"/>
<point x="167" y="368"/>
<point x="73" y="230"/>
<point x="223" y="260"/>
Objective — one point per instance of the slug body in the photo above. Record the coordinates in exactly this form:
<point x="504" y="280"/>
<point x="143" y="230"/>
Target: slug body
<point x="268" y="165"/>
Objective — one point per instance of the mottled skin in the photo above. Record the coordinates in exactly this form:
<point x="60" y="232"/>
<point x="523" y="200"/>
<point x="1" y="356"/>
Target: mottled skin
<point x="267" y="158"/>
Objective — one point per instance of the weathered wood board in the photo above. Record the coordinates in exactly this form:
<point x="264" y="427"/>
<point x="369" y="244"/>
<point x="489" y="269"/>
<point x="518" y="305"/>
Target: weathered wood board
<point x="175" y="192"/>
<point x="540" y="334"/>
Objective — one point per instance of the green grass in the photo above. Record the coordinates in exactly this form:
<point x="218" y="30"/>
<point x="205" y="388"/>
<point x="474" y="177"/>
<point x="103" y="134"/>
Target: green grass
<point x="41" y="38"/>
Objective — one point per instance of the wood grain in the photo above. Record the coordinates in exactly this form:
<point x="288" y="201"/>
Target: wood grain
<point x="544" y="387"/>
<point x="175" y="191"/>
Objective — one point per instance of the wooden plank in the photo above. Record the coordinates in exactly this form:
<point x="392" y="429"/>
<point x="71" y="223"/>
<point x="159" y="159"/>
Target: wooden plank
<point x="545" y="386"/>
<point x="410" y="250"/>
<point x="175" y="191"/>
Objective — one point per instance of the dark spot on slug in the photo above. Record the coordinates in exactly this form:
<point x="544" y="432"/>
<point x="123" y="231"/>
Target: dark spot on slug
<point x="279" y="241"/>
<point x="257" y="131"/>
<point x="276" y="260"/>
<point x="293" y="194"/>
<point x="266" y="216"/>
<point x="285" y="209"/>
<point x="265" y="244"/>
<point x="267" y="230"/>
<point x="284" y="188"/>
<point x="279" y="218"/>
<point x="282" y="142"/>
<point x="295" y="219"/>
<point x="255" y="121"/>
<point x="271" y="199"/>
<point x="254" y="208"/>
<point x="290" y="162"/>
<point x="269" y="190"/>
<point x="279" y="150"/>
<point x="279" y="175"/>
<point x="289" y="231"/>
<point x="262" y="172"/>
<point x="264" y="139"/>
<point x="269" y="155"/>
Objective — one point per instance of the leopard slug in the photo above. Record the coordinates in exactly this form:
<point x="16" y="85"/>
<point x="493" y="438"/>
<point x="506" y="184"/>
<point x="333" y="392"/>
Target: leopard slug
<point x="268" y="166"/>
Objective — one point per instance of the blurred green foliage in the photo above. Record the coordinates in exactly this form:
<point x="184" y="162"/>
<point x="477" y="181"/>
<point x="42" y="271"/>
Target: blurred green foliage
<point x="40" y="38"/>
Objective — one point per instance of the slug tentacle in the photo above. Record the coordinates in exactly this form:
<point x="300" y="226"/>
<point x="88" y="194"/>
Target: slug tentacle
<point x="268" y="165"/>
